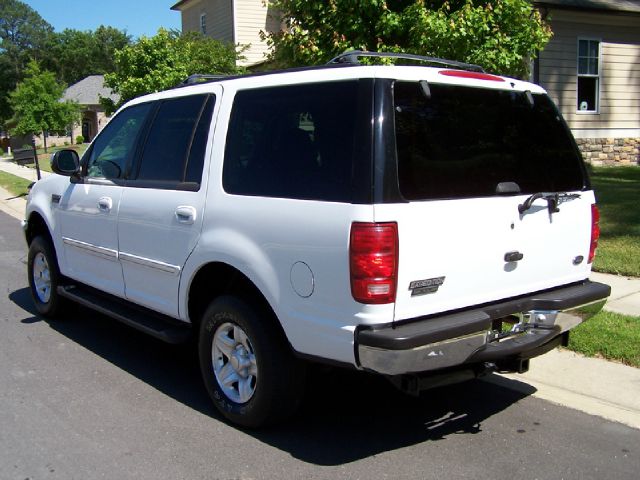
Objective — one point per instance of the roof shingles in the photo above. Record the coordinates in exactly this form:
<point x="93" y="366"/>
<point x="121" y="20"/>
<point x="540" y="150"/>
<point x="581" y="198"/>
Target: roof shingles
<point x="89" y="90"/>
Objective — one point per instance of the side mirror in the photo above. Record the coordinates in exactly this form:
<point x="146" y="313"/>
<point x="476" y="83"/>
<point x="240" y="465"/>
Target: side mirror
<point x="65" y="162"/>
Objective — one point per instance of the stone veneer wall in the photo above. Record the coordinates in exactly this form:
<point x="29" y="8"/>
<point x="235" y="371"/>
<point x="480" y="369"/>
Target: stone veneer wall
<point x="610" y="151"/>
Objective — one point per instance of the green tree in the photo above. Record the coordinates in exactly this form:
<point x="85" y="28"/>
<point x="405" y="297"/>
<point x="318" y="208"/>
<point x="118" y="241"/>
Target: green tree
<point x="37" y="104"/>
<point x="75" y="54"/>
<point x="23" y="36"/>
<point x="500" y="35"/>
<point x="160" y="62"/>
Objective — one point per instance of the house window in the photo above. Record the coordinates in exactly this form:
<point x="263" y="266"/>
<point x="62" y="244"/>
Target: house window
<point x="203" y="23"/>
<point x="588" y="75"/>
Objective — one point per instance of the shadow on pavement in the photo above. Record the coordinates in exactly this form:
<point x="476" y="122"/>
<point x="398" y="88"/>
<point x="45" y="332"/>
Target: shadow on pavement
<point x="170" y="369"/>
<point x="346" y="415"/>
<point x="349" y="415"/>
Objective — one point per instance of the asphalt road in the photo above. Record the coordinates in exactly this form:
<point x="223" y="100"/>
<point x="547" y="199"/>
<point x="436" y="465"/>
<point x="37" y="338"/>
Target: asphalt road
<point x="85" y="397"/>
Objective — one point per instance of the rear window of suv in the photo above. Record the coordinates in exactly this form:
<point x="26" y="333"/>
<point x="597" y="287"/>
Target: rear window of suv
<point x="461" y="142"/>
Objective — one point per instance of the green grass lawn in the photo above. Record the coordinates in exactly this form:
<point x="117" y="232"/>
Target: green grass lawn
<point x="618" y="195"/>
<point x="44" y="158"/>
<point x="15" y="185"/>
<point x="79" y="148"/>
<point x="43" y="162"/>
<point x="609" y="335"/>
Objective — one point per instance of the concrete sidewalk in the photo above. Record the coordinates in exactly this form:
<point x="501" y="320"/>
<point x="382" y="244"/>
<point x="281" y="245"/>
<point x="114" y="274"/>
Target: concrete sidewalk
<point x="625" y="293"/>
<point x="592" y="385"/>
<point x="6" y="165"/>
<point x="15" y="206"/>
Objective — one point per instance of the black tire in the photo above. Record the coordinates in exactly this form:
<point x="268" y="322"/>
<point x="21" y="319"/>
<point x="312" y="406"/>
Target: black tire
<point x="270" y="387"/>
<point x="43" y="285"/>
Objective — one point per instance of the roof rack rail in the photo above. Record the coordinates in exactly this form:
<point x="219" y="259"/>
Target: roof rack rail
<point x="200" y="78"/>
<point x="353" y="55"/>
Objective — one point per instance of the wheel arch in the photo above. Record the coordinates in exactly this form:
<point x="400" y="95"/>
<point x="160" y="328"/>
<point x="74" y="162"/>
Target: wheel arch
<point x="37" y="225"/>
<point x="218" y="278"/>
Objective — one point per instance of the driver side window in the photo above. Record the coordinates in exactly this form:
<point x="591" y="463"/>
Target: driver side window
<point x="114" y="146"/>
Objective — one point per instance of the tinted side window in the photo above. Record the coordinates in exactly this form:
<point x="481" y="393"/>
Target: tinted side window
<point x="114" y="146"/>
<point x="294" y="142"/>
<point x="462" y="142"/>
<point x="195" y="162"/>
<point x="169" y="141"/>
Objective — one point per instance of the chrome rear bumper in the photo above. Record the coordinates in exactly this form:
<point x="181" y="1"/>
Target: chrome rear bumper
<point x="467" y="337"/>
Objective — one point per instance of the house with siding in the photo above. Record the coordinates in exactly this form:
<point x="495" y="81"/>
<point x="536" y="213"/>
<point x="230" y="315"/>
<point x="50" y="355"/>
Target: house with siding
<point x="591" y="66"/>
<point x="591" y="69"/>
<point x="232" y="21"/>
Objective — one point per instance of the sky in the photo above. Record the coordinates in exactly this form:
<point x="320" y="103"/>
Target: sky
<point x="137" y="17"/>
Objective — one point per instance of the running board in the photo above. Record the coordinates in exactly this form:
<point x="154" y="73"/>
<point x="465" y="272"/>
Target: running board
<point x="160" y="326"/>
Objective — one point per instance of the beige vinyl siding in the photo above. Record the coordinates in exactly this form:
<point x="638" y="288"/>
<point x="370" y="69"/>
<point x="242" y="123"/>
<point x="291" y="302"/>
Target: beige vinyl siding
<point x="619" y="35"/>
<point x="190" y="14"/>
<point x="219" y="18"/>
<point x="252" y="17"/>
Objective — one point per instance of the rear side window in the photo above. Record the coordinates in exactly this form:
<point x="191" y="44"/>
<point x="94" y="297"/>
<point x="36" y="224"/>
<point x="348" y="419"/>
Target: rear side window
<point x="461" y="142"/>
<point x="293" y="142"/>
<point x="195" y="161"/>
<point x="175" y="145"/>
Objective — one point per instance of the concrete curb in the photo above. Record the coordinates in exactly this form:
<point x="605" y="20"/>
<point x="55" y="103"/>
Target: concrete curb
<point x="14" y="206"/>
<point x="592" y="385"/>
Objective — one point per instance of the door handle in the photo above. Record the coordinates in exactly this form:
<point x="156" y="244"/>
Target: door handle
<point x="105" y="204"/>
<point x="186" y="214"/>
<point x="513" y="256"/>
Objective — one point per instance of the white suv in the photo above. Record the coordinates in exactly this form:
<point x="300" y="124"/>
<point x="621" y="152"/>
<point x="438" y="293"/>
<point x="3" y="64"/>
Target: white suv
<point x="428" y="224"/>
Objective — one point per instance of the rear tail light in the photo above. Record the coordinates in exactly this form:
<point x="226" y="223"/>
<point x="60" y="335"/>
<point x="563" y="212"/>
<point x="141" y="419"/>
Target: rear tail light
<point x="595" y="231"/>
<point x="373" y="262"/>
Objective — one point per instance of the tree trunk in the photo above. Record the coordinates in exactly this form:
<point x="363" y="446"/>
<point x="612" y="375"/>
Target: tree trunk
<point x="44" y="139"/>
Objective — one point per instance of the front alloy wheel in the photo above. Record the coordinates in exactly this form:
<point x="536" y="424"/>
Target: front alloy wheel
<point x="44" y="277"/>
<point x="41" y="277"/>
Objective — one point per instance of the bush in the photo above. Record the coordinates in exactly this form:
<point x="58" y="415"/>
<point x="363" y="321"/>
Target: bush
<point x="79" y="140"/>
<point x="1" y="151"/>
<point x="66" y="144"/>
<point x="26" y="145"/>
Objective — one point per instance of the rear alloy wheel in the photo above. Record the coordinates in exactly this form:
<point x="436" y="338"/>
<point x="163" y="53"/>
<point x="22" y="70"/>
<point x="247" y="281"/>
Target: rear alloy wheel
<point x="234" y="363"/>
<point x="247" y="366"/>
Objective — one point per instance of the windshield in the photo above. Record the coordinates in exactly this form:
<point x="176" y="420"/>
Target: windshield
<point x="461" y="142"/>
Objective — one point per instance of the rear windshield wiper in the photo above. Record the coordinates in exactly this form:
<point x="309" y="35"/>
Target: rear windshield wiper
<point x="553" y="200"/>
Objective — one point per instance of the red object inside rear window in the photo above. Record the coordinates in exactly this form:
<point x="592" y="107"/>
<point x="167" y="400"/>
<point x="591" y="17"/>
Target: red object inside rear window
<point x="474" y="75"/>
